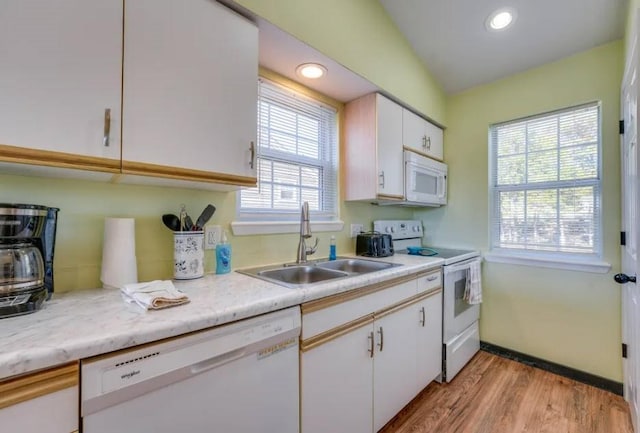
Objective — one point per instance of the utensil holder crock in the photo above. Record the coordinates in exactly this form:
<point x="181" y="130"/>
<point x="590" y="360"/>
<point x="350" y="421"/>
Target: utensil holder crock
<point x="188" y="255"/>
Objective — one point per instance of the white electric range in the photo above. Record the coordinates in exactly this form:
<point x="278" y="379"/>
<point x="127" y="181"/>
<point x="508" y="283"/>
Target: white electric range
<point x="460" y="332"/>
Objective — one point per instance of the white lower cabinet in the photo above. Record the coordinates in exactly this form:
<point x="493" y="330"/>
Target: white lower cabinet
<point x="357" y="375"/>
<point x="41" y="402"/>
<point x="336" y="383"/>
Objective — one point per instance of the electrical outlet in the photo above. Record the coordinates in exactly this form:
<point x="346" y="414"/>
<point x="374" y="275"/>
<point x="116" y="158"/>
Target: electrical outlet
<point x="212" y="236"/>
<point x="355" y="229"/>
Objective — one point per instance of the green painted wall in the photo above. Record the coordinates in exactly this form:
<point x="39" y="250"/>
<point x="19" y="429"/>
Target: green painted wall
<point x="361" y="36"/>
<point x="632" y="16"/>
<point x="572" y="318"/>
<point x="85" y="204"/>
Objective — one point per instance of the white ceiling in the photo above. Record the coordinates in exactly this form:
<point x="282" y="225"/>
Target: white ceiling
<point x="451" y="38"/>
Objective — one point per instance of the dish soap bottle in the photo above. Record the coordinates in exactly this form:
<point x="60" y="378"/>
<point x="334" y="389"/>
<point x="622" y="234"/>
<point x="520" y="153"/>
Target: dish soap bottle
<point x="223" y="255"/>
<point x="332" y="248"/>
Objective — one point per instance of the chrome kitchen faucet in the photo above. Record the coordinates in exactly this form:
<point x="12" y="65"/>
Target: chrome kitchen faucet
<point x="305" y="232"/>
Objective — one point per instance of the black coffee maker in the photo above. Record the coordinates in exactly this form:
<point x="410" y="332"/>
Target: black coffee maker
<point x="27" y="243"/>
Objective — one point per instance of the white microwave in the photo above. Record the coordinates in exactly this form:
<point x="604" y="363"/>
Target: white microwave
<point x="425" y="180"/>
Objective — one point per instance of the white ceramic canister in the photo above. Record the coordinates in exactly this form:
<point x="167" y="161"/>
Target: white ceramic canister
<point x="188" y="255"/>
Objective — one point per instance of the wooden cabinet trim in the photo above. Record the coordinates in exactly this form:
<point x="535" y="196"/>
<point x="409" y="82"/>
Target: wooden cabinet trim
<point x="407" y="302"/>
<point x="332" y="334"/>
<point x="426" y="155"/>
<point x="22" y="155"/>
<point x="166" y="172"/>
<point x="389" y="197"/>
<point x="329" y="301"/>
<point x="28" y="387"/>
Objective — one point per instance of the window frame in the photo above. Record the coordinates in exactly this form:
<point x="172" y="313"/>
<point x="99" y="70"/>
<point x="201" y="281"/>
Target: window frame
<point x="590" y="262"/>
<point x="275" y="221"/>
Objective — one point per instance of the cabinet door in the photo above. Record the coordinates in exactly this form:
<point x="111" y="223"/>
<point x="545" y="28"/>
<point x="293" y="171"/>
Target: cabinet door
<point x="336" y="384"/>
<point x="190" y="88"/>
<point x="421" y="135"/>
<point x="61" y="69"/>
<point x="394" y="369"/>
<point x="46" y="401"/>
<point x="428" y="314"/>
<point x="434" y="141"/>
<point x="389" y="147"/>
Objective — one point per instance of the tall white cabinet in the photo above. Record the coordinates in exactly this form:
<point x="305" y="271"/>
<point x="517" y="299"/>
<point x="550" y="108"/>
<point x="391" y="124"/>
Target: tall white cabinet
<point x="190" y="88"/>
<point x="61" y="72"/>
<point x="373" y="162"/>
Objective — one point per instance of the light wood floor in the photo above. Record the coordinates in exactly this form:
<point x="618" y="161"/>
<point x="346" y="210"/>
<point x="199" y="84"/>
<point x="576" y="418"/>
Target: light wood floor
<point x="496" y="395"/>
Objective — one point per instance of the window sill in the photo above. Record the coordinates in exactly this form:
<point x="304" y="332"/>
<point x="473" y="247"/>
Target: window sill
<point x="244" y="228"/>
<point x="588" y="265"/>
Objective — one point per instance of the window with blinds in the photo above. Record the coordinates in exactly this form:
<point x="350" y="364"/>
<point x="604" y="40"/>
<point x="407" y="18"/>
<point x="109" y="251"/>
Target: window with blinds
<point x="297" y="157"/>
<point x="546" y="183"/>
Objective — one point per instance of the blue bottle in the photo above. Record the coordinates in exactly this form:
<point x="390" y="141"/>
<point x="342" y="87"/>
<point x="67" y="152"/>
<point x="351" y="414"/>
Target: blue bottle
<point x="332" y="248"/>
<point x="223" y="255"/>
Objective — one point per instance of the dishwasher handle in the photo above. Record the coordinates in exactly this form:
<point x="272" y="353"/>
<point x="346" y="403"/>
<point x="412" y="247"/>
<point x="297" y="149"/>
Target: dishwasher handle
<point x="217" y="361"/>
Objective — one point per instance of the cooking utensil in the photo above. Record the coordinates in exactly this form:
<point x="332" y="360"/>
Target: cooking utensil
<point x="171" y="221"/>
<point x="205" y="216"/>
<point x="188" y="222"/>
<point x="183" y="216"/>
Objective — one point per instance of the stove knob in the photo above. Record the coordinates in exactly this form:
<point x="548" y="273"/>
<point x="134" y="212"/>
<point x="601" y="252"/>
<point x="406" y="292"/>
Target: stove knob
<point x="388" y="229"/>
<point x="393" y="229"/>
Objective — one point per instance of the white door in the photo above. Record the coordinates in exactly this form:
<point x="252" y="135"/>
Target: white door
<point x="190" y="86"/>
<point x="428" y="317"/>
<point x="394" y="365"/>
<point x="61" y="69"/>
<point x="337" y="384"/>
<point x="389" y="135"/>
<point x="630" y="259"/>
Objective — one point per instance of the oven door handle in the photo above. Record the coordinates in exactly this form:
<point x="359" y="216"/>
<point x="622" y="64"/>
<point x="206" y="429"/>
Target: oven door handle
<point x="460" y="266"/>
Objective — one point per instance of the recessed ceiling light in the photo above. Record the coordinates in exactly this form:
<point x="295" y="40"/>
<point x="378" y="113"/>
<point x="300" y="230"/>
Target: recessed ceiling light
<point x="311" y="70"/>
<point x="501" y="19"/>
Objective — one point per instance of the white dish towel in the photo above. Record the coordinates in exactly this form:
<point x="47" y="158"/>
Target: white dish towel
<point x="154" y="295"/>
<point x="473" y="287"/>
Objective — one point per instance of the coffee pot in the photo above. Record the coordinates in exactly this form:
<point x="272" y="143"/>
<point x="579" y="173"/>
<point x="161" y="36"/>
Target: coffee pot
<point x="27" y="240"/>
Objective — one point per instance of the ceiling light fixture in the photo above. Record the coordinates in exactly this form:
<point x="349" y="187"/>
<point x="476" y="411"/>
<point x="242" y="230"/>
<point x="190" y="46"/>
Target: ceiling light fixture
<point x="501" y="19"/>
<point x="311" y="70"/>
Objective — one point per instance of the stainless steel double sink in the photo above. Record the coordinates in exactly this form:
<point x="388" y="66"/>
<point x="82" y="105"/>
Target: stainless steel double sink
<point x="295" y="276"/>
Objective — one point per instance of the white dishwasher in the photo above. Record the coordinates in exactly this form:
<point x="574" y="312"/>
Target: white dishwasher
<point x="237" y="378"/>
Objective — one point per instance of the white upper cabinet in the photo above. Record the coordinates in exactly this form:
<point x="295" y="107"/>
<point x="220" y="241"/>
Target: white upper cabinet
<point x="61" y="69"/>
<point x="374" y="164"/>
<point x="421" y="135"/>
<point x="190" y="91"/>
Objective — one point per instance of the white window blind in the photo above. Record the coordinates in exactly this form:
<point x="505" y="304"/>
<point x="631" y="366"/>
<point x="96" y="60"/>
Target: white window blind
<point x="297" y="157"/>
<point x="546" y="183"/>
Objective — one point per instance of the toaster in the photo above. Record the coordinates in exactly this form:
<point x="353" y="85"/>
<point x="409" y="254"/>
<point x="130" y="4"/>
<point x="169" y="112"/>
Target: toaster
<point x="374" y="244"/>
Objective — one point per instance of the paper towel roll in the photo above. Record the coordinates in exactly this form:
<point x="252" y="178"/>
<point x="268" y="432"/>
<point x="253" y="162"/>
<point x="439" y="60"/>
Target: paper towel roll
<point x="119" y="253"/>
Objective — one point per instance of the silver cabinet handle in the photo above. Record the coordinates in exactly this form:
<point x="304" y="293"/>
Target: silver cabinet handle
<point x="381" y="179"/>
<point x="252" y="149"/>
<point x="424" y="141"/>
<point x="381" y="344"/>
<point x="370" y="350"/>
<point x="424" y="317"/>
<point x="432" y="278"/>
<point x="107" y="126"/>
<point x="428" y="143"/>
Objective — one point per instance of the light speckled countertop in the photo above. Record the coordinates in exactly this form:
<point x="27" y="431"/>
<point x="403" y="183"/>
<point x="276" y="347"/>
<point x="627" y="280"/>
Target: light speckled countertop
<point x="86" y="323"/>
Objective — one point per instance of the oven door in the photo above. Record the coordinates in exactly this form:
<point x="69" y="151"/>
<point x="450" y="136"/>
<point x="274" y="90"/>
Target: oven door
<point x="425" y="185"/>
<point x="457" y="314"/>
